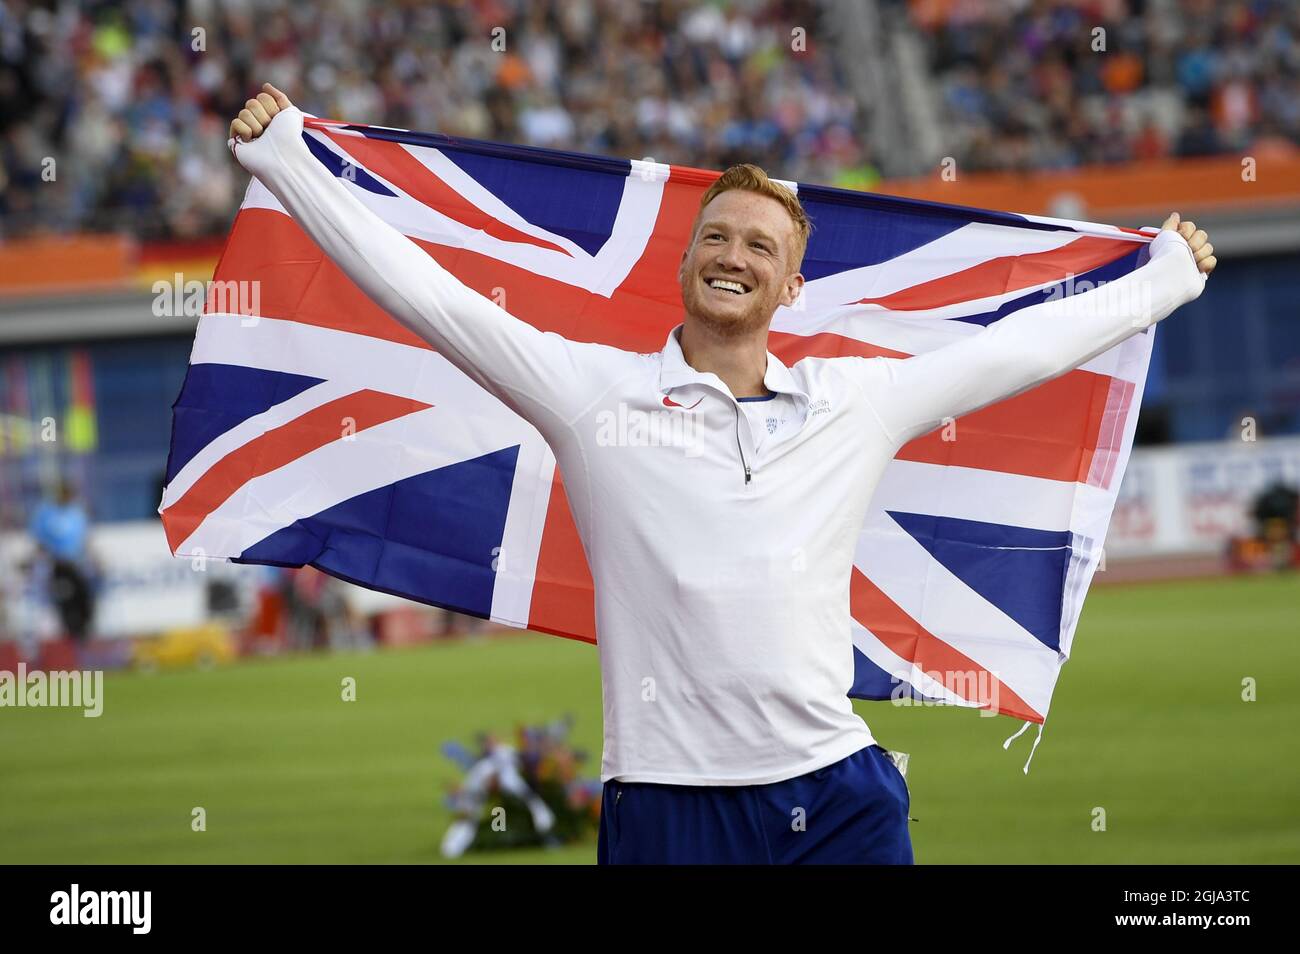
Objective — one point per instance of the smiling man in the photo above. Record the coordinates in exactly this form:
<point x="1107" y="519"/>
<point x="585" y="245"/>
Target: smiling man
<point x="721" y="569"/>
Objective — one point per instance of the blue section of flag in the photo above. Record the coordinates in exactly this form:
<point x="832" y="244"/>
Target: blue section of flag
<point x="856" y="229"/>
<point x="872" y="682"/>
<point x="565" y="201"/>
<point x="841" y="240"/>
<point x="386" y="538"/>
<point x="532" y="154"/>
<point x="345" y="168"/>
<point x="217" y="397"/>
<point x="1019" y="570"/>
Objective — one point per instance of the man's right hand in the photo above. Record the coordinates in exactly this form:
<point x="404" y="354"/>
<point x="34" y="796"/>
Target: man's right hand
<point x="258" y="113"/>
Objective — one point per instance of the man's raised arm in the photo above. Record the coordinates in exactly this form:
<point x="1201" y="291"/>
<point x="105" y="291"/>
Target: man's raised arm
<point x="538" y="374"/>
<point x="912" y="396"/>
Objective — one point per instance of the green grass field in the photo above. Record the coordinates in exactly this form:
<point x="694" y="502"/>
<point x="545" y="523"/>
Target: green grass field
<point x="1148" y="723"/>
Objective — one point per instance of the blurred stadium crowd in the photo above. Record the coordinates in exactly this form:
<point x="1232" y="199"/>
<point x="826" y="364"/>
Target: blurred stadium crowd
<point x="119" y="89"/>
<point x="136" y="103"/>
<point x="1022" y="84"/>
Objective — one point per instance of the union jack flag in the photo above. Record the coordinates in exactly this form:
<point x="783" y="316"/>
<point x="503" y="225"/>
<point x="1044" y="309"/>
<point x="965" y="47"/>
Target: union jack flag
<point x="976" y="554"/>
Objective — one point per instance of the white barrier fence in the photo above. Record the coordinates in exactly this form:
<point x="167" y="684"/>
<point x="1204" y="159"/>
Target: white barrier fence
<point x="142" y="589"/>
<point x="1190" y="498"/>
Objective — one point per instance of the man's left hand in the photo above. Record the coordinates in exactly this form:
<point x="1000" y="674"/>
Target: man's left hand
<point x="1197" y="241"/>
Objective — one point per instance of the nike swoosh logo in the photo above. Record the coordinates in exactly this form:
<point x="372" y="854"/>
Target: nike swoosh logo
<point x="669" y="402"/>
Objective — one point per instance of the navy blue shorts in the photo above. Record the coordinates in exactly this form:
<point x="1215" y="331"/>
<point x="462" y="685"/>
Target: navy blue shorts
<point x="853" y="811"/>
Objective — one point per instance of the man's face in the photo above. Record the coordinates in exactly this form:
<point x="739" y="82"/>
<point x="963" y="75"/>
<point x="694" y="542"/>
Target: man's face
<point x="740" y="264"/>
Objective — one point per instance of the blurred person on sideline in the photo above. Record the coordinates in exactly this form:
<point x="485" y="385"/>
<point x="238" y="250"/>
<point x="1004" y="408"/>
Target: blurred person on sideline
<point x="321" y="612"/>
<point x="1276" y="510"/>
<point x="300" y="590"/>
<point x="60" y="528"/>
<point x="344" y="624"/>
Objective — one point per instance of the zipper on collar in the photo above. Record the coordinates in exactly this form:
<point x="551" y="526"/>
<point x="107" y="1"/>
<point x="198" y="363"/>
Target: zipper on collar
<point x="748" y="473"/>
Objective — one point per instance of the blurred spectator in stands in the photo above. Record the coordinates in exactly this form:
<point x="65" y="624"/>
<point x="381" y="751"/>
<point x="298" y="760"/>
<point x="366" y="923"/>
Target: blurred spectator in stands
<point x="59" y="527"/>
